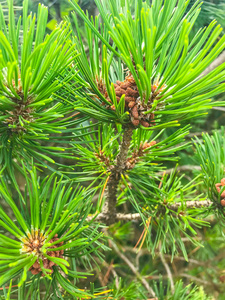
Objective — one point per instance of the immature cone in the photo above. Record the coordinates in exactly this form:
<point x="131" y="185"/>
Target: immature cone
<point x="34" y="245"/>
<point x="218" y="185"/>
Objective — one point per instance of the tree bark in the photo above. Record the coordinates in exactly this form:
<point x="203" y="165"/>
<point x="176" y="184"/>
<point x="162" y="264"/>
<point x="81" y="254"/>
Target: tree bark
<point x="110" y="206"/>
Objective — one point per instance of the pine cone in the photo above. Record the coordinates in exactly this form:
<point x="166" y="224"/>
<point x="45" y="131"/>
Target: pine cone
<point x="133" y="104"/>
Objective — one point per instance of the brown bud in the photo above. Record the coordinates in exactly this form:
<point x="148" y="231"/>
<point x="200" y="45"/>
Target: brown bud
<point x="34" y="271"/>
<point x="45" y="263"/>
<point x="131" y="104"/>
<point x="118" y="94"/>
<point x="223" y="181"/>
<point x="131" y="92"/>
<point x="152" y="143"/>
<point x="135" y="112"/>
<point x="125" y="85"/>
<point x="222" y="202"/>
<point x="131" y="79"/>
<point x="51" y="264"/>
<point x="145" y="146"/>
<point x="36" y="265"/>
<point x="129" y="99"/>
<point x="145" y="124"/>
<point x="135" y="122"/>
<point x="218" y="189"/>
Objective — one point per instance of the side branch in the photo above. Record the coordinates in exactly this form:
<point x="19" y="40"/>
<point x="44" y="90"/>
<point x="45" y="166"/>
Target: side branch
<point x="110" y="206"/>
<point x="130" y="217"/>
<point x="191" y="204"/>
<point x="217" y="62"/>
<point x="133" y="269"/>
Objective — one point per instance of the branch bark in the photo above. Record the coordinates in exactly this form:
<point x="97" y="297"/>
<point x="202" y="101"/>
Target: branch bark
<point x="191" y="204"/>
<point x="110" y="206"/>
<point x="181" y="169"/>
<point x="130" y="217"/>
<point x="217" y="62"/>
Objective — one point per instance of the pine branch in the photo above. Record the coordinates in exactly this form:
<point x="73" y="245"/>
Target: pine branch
<point x="110" y="206"/>
<point x="130" y="217"/>
<point x="181" y="169"/>
<point x="133" y="269"/>
<point x="170" y="276"/>
<point x="216" y="63"/>
<point x="191" y="204"/>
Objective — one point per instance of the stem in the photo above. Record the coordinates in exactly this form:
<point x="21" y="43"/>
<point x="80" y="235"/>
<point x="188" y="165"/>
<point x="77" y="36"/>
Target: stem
<point x="110" y="206"/>
<point x="170" y="276"/>
<point x="217" y="62"/>
<point x="136" y="216"/>
<point x="133" y="269"/>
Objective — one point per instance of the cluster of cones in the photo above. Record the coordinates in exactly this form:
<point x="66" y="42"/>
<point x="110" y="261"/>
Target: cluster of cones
<point x="218" y="187"/>
<point x="131" y="161"/>
<point x="34" y="244"/>
<point x="133" y="103"/>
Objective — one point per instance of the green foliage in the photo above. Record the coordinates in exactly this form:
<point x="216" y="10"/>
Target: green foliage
<point x="153" y="43"/>
<point x="29" y="76"/>
<point x="137" y="70"/>
<point x="181" y="292"/>
<point x="211" y="155"/>
<point x="61" y="213"/>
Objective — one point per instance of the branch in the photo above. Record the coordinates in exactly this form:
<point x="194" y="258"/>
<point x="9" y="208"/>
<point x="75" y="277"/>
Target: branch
<point x="216" y="63"/>
<point x="133" y="269"/>
<point x="130" y="217"/>
<point x="219" y="108"/>
<point x="191" y="204"/>
<point x="180" y="168"/>
<point x="170" y="276"/>
<point x="110" y="205"/>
